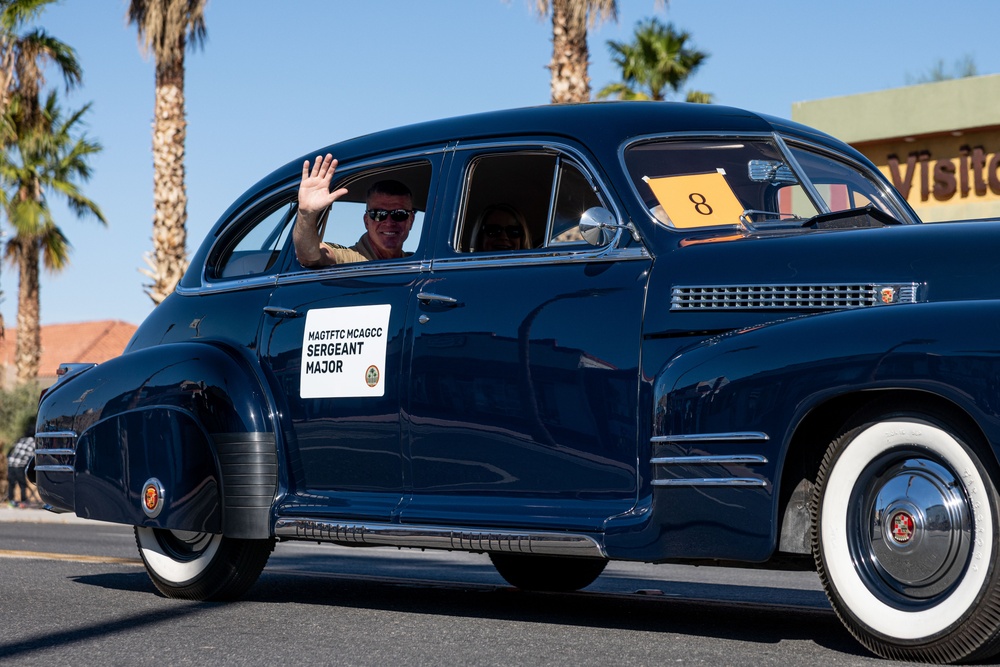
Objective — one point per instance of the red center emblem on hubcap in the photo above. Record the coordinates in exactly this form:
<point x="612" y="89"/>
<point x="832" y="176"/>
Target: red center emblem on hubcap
<point x="152" y="497"/>
<point x="902" y="527"/>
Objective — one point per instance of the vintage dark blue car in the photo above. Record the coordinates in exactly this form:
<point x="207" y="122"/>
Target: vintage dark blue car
<point x="721" y="338"/>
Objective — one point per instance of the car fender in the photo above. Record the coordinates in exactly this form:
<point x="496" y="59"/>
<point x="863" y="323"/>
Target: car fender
<point x="185" y="426"/>
<point x="725" y="410"/>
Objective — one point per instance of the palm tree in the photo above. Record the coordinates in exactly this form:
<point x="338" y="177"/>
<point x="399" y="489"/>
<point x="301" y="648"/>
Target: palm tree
<point x="23" y="56"/>
<point x="166" y="27"/>
<point x="658" y="61"/>
<point x="47" y="157"/>
<point x="570" y="56"/>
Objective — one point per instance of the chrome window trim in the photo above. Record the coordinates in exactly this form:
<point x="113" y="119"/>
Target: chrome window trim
<point x="278" y="192"/>
<point x="891" y="194"/>
<point x="268" y="280"/>
<point x="558" y="149"/>
<point x="387" y="267"/>
<point x="553" y="197"/>
<point x="545" y="257"/>
<point x="288" y="188"/>
<point x="782" y="142"/>
<point x="817" y="199"/>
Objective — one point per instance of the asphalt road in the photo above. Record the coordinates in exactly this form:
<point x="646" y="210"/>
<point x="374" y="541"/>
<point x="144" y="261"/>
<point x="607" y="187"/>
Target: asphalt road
<point x="76" y="594"/>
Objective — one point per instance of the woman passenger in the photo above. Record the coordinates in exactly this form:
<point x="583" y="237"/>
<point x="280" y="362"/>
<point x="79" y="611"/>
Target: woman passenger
<point x="500" y="227"/>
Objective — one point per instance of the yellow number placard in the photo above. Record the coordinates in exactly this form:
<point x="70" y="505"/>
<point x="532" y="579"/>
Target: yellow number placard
<point x="697" y="200"/>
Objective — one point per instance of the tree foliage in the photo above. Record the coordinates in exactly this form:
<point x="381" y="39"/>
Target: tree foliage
<point x="18" y="408"/>
<point x="656" y="64"/>
<point x="48" y="157"/>
<point x="963" y="67"/>
<point x="38" y="159"/>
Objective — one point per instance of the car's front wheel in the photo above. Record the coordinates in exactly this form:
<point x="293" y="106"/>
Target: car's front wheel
<point x="547" y="573"/>
<point x="201" y="566"/>
<point x="905" y="538"/>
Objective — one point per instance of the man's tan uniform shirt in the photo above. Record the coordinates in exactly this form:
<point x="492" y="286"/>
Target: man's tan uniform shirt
<point x="362" y="251"/>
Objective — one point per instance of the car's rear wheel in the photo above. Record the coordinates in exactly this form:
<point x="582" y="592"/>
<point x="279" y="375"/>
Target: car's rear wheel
<point x="547" y="573"/>
<point x="201" y="566"/>
<point x="905" y="538"/>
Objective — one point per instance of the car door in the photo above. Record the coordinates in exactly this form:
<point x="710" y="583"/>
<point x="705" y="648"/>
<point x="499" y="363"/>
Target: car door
<point x="334" y="342"/>
<point x="523" y="388"/>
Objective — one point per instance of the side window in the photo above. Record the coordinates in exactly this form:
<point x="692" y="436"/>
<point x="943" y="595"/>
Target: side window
<point x="521" y="201"/>
<point x="574" y="195"/>
<point x="842" y="187"/>
<point x="254" y="247"/>
<point x="345" y="222"/>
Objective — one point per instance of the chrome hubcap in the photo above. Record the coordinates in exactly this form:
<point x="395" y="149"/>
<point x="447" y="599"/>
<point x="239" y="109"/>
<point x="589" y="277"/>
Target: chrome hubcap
<point x="911" y="537"/>
<point x="183" y="545"/>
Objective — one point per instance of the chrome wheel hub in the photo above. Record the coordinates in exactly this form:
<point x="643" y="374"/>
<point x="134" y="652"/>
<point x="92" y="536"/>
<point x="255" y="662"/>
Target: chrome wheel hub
<point x="912" y="535"/>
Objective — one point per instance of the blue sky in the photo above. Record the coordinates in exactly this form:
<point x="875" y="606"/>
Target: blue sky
<point x="280" y="79"/>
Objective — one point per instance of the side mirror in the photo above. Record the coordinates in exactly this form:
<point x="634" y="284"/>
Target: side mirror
<point x="598" y="225"/>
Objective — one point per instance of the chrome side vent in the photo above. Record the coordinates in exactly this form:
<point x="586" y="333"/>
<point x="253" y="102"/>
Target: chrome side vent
<point x="55" y="451"/>
<point x="792" y="297"/>
<point x="701" y="469"/>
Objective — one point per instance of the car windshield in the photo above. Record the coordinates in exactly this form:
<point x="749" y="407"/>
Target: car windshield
<point x="724" y="182"/>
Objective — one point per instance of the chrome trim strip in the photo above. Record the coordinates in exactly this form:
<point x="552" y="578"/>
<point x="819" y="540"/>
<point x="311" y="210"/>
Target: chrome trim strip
<point x="53" y="468"/>
<point x="748" y="436"/>
<point x="42" y="435"/>
<point x="55" y="452"/>
<point x="439" y="537"/>
<point x="544" y="256"/>
<point x="234" y="285"/>
<point x="363" y="268"/>
<point x="711" y="481"/>
<point x="747" y="459"/>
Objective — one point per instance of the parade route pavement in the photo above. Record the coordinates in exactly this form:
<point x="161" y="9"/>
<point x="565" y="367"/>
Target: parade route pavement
<point x="36" y="515"/>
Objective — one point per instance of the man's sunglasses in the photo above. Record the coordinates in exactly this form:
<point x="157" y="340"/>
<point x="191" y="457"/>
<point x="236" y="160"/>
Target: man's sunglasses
<point x="397" y="215"/>
<point x="512" y="231"/>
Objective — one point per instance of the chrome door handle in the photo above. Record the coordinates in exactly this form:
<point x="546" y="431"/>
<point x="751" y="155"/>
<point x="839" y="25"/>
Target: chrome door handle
<point x="281" y="313"/>
<point x="430" y="297"/>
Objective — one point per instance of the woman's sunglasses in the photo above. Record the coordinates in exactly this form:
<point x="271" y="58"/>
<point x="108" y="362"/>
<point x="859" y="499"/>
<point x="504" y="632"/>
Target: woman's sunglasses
<point x="397" y="215"/>
<point x="511" y="231"/>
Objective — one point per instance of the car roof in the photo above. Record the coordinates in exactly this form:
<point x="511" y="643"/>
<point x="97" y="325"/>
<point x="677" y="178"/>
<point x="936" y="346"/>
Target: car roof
<point x="601" y="126"/>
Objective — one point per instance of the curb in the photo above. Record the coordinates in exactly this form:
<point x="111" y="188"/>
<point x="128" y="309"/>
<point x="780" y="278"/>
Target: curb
<point x="31" y="515"/>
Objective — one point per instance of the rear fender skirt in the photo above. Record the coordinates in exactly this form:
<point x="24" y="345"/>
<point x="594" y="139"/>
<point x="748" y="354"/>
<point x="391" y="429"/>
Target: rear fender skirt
<point x="191" y="416"/>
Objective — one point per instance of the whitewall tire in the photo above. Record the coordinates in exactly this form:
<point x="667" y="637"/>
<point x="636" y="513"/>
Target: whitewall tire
<point x="200" y="566"/>
<point x="905" y="539"/>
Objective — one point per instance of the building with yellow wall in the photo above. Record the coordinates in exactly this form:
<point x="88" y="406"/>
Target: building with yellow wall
<point x="939" y="143"/>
